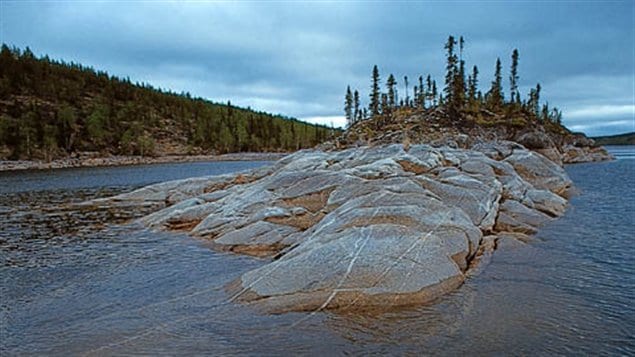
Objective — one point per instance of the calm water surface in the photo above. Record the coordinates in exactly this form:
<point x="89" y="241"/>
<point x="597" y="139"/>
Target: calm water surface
<point x="89" y="283"/>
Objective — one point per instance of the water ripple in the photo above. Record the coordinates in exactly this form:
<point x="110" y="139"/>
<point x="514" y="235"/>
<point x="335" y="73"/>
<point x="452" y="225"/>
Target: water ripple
<point x="87" y="282"/>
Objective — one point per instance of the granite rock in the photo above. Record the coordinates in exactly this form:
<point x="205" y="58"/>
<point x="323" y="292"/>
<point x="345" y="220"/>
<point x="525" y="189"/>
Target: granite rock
<point x="362" y="228"/>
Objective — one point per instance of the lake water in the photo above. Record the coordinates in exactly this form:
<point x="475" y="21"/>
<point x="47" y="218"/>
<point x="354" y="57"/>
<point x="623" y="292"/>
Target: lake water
<point x="87" y="283"/>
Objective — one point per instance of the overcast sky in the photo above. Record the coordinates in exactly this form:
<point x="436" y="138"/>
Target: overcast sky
<point x="297" y="59"/>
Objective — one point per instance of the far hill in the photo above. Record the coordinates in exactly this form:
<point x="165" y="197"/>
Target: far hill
<point x="52" y="109"/>
<point x="620" y="139"/>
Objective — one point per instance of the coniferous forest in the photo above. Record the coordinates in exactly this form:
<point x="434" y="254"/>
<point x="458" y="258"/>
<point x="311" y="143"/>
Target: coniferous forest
<point x="460" y="99"/>
<point x="52" y="109"/>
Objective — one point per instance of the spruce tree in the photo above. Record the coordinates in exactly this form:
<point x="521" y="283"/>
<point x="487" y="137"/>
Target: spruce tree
<point x="556" y="116"/>
<point x="537" y="99"/>
<point x="405" y="80"/>
<point x="434" y="92"/>
<point x="415" y="96"/>
<point x="429" y="95"/>
<point x="473" y="84"/>
<point x="531" y="100"/>
<point x="459" y="80"/>
<point x="422" y="97"/>
<point x="357" y="115"/>
<point x="459" y="87"/>
<point x="391" y="84"/>
<point x="513" y="78"/>
<point x="385" y="108"/>
<point x="348" y="107"/>
<point x="373" y="106"/>
<point x="455" y="77"/>
<point x="495" y="94"/>
<point x="544" y="115"/>
<point x="450" y="68"/>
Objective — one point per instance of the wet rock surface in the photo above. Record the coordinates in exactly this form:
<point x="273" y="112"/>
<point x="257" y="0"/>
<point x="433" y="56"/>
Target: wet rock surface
<point x="362" y="228"/>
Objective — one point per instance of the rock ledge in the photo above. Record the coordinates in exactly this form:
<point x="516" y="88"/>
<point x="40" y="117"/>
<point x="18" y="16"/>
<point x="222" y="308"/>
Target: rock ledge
<point x="362" y="228"/>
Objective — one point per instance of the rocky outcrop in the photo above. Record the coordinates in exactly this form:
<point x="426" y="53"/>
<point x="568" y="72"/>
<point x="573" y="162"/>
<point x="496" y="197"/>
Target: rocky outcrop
<point x="437" y="128"/>
<point x="567" y="148"/>
<point x="363" y="228"/>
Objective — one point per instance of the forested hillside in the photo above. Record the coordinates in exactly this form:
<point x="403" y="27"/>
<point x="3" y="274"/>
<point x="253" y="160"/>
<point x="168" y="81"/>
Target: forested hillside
<point x="620" y="139"/>
<point x="51" y="109"/>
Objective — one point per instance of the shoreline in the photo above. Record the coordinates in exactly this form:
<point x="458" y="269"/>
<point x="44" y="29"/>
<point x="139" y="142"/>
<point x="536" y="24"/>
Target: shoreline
<point x="77" y="162"/>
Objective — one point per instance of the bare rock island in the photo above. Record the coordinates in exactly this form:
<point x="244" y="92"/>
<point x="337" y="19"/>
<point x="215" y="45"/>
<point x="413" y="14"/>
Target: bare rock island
<point x="369" y="227"/>
<point x="397" y="209"/>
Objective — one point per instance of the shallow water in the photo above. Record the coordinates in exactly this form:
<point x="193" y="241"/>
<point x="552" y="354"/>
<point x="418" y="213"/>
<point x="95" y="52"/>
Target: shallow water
<point x="85" y="282"/>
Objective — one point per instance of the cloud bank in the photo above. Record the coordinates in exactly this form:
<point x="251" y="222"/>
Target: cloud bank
<point x="297" y="59"/>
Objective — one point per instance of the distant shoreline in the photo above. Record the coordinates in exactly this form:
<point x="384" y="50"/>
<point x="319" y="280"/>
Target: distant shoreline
<point x="616" y="140"/>
<point x="76" y="162"/>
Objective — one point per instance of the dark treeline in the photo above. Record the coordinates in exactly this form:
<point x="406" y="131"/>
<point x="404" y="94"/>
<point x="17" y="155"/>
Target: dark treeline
<point x="51" y="109"/>
<point x="619" y="139"/>
<point x="460" y="98"/>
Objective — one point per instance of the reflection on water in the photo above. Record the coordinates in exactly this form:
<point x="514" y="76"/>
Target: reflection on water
<point x="84" y="282"/>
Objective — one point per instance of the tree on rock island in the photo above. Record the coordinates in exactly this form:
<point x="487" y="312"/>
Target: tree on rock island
<point x="461" y="102"/>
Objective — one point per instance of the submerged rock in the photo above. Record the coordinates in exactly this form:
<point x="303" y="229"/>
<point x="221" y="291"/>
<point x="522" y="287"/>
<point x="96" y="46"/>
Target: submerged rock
<point x="363" y="228"/>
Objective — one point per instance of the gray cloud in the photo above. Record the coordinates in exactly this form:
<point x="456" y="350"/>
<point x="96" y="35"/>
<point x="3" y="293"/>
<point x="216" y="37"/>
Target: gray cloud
<point x="297" y="59"/>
